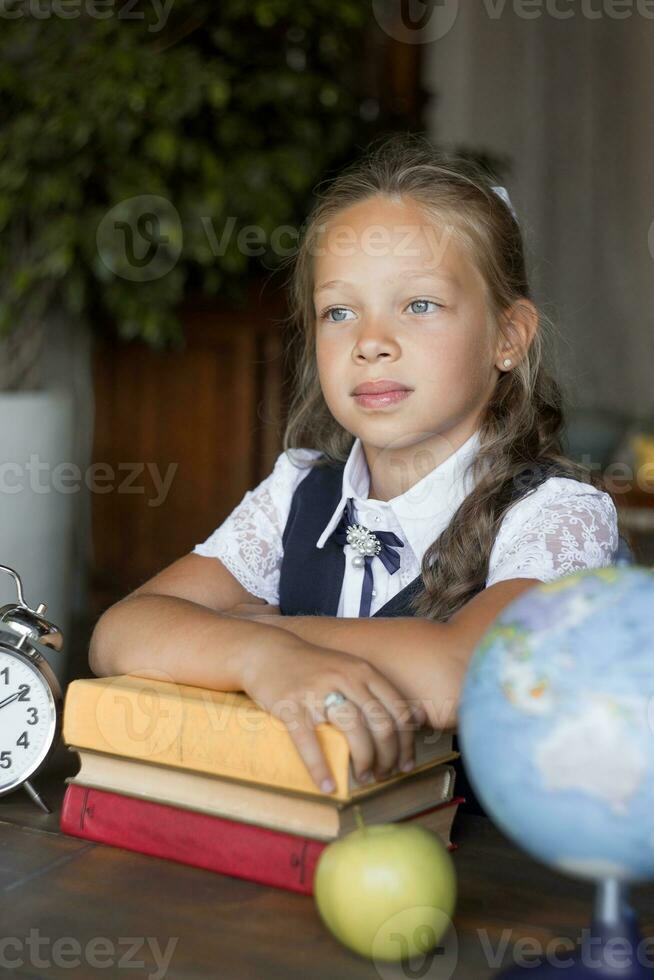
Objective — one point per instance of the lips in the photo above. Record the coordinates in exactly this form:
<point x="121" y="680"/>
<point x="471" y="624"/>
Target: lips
<point x="379" y="387"/>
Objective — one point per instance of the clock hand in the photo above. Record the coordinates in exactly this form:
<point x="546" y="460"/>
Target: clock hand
<point x="12" y="697"/>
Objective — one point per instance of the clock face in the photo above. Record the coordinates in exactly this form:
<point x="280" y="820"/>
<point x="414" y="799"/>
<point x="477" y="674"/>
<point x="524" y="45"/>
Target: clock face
<point x="27" y="719"/>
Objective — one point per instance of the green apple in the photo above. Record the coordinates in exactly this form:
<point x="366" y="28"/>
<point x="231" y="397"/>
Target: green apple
<point x="386" y="891"/>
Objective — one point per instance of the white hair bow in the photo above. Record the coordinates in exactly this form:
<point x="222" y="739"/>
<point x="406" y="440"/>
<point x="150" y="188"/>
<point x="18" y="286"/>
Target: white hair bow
<point x="504" y="194"/>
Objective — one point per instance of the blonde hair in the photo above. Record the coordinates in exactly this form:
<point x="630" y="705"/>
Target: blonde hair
<point x="521" y="427"/>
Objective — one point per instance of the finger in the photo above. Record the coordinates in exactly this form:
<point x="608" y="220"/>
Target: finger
<point x="252" y="607"/>
<point x="383" y="727"/>
<point x="403" y="717"/>
<point x="371" y="729"/>
<point x="241" y="609"/>
<point x="264" y="610"/>
<point x="393" y="722"/>
<point x="306" y="741"/>
<point x="349" y="718"/>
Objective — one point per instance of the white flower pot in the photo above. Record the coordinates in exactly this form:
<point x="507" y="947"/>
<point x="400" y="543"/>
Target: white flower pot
<point x="37" y="504"/>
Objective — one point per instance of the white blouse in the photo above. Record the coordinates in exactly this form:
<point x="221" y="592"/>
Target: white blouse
<point x="561" y="526"/>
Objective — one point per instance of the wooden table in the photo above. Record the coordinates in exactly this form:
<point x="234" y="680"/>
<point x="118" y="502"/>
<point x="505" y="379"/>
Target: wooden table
<point x="56" y="887"/>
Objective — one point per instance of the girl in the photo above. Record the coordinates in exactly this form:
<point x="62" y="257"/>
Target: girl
<point x="422" y="485"/>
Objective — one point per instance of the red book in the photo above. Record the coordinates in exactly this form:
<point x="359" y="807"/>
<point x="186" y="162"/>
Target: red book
<point x="229" y="847"/>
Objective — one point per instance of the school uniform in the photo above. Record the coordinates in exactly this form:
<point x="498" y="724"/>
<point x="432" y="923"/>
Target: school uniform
<point x="285" y="541"/>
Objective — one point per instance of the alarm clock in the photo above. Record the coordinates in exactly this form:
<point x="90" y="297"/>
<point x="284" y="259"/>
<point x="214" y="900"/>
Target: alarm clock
<point x="30" y="695"/>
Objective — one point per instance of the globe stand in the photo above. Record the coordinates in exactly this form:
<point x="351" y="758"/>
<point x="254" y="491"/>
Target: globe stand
<point x="610" y="950"/>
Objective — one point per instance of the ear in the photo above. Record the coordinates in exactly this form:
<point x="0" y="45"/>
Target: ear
<point x="517" y="331"/>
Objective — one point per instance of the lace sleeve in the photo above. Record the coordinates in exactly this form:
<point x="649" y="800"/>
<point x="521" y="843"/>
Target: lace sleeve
<point x="249" y="541"/>
<point x="562" y="526"/>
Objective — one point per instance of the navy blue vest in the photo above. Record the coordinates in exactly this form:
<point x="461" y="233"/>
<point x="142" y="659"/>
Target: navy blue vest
<point x="311" y="578"/>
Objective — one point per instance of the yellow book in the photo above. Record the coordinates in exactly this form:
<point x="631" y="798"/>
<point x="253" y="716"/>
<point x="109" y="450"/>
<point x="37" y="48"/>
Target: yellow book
<point x="224" y="733"/>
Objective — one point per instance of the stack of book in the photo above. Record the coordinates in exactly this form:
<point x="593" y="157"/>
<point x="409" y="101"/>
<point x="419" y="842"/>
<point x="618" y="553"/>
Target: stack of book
<point x="211" y="779"/>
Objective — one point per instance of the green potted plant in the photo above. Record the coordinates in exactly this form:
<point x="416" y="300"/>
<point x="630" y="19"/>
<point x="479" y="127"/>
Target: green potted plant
<point x="136" y="147"/>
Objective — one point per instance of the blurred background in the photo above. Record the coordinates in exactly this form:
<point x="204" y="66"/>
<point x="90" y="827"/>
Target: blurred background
<point x="157" y="160"/>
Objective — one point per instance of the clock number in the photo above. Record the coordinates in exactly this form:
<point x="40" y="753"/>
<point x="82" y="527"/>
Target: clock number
<point x="35" y="716"/>
<point x="5" y="671"/>
<point x="23" y="688"/>
<point x="23" y="740"/>
<point x="5" y="760"/>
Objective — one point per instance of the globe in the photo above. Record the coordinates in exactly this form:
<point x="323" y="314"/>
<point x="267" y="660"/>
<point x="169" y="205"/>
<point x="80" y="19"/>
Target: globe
<point x="556" y="723"/>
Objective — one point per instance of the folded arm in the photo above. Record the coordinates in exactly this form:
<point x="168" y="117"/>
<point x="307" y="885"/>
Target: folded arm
<point x="427" y="660"/>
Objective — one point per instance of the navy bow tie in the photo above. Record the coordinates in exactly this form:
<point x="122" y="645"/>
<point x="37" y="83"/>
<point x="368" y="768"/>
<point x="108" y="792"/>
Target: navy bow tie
<point x="360" y="536"/>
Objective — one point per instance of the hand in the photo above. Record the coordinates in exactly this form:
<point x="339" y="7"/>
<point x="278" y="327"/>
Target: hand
<point x="9" y="699"/>
<point x="252" y="610"/>
<point x="291" y="682"/>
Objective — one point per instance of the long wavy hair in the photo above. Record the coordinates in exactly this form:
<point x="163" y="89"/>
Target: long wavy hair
<point x="521" y="427"/>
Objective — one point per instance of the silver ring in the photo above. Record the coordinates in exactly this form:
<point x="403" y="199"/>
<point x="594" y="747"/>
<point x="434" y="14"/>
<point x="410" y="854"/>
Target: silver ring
<point x="332" y="699"/>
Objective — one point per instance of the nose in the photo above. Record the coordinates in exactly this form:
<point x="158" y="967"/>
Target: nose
<point x="375" y="339"/>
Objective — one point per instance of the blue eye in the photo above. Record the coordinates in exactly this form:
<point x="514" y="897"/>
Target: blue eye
<point x="333" y="309"/>
<point x="344" y="309"/>
<point x="413" y="303"/>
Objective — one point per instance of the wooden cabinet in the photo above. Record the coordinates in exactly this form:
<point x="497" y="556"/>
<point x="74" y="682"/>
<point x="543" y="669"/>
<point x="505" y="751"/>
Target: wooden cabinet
<point x="183" y="435"/>
<point x="636" y="509"/>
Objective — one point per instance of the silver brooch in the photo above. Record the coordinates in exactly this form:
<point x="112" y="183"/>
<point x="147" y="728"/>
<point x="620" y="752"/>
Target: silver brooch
<point x="365" y="541"/>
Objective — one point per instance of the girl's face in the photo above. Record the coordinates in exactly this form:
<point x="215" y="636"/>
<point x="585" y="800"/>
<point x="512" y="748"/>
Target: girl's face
<point x="396" y="298"/>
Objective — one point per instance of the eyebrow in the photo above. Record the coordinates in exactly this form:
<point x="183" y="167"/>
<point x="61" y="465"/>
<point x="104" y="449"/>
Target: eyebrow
<point x="441" y="277"/>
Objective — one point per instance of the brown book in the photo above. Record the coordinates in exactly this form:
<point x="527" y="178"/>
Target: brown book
<point x="439" y="820"/>
<point x="325" y="818"/>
